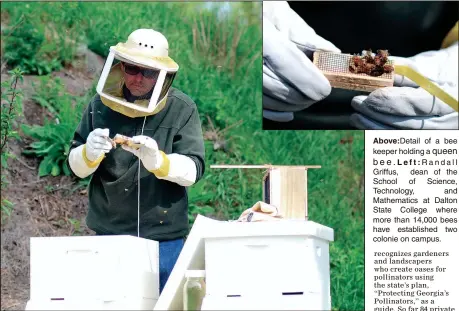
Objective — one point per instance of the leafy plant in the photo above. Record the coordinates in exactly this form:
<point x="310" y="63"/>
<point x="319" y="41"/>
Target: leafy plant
<point x="11" y="107"/>
<point x="65" y="30"/>
<point x="45" y="37"/>
<point x="50" y="94"/>
<point x="23" y="48"/>
<point x="52" y="144"/>
<point x="52" y="140"/>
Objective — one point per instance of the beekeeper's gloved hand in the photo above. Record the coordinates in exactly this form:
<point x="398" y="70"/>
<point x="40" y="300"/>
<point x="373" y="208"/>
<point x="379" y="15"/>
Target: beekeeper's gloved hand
<point x="406" y="106"/>
<point x="85" y="159"/>
<point x="174" y="167"/>
<point x="291" y="82"/>
<point x="148" y="153"/>
<point x="97" y="144"/>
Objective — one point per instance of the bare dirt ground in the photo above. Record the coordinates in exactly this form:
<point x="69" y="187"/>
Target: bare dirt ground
<point x="42" y="206"/>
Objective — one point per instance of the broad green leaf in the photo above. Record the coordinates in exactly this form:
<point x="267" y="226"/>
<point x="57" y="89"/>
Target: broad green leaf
<point x="66" y="169"/>
<point x="45" y="167"/>
<point x="56" y="170"/>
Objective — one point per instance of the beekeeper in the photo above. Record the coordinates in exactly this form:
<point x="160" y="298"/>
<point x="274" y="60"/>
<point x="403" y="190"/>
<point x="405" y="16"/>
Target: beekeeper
<point x="297" y="93"/>
<point x="135" y="98"/>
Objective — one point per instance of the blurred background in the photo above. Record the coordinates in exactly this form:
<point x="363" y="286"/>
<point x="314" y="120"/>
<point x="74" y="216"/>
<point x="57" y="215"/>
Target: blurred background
<point x="51" y="56"/>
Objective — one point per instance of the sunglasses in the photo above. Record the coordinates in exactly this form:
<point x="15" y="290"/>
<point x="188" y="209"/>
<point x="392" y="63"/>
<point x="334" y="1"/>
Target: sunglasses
<point x="133" y="70"/>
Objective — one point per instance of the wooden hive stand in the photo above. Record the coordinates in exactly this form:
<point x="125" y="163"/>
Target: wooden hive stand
<point x="284" y="187"/>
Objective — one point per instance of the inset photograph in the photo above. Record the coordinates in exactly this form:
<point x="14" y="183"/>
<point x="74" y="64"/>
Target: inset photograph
<point x="360" y="65"/>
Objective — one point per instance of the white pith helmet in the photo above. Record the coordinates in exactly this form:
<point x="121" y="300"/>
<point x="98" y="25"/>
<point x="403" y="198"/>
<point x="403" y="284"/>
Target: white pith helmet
<point x="145" y="48"/>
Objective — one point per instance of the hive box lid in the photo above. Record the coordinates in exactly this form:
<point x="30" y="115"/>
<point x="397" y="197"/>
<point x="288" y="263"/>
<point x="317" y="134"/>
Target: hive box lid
<point x="224" y="229"/>
<point x="81" y="241"/>
<point x="192" y="255"/>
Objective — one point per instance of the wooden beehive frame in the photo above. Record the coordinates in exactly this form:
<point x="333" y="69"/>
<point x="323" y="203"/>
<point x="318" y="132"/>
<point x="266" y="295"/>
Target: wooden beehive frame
<point x="335" y="68"/>
<point x="285" y="187"/>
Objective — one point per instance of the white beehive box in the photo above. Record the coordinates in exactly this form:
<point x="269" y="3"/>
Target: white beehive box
<point x="93" y="273"/>
<point x="273" y="265"/>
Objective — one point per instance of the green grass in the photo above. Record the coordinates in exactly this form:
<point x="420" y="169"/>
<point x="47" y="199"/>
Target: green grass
<point x="220" y="68"/>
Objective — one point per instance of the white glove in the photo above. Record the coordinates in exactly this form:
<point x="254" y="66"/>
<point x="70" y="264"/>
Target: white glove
<point x="148" y="153"/>
<point x="406" y="106"/>
<point x="173" y="167"/>
<point x="291" y="82"/>
<point x="97" y="144"/>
